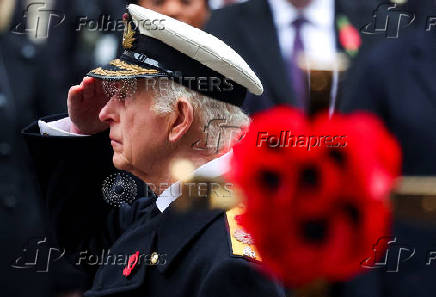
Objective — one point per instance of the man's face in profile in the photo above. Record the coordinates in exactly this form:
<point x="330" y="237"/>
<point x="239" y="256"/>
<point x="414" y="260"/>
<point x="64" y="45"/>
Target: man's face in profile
<point x="300" y="4"/>
<point x="138" y="135"/>
<point x="192" y="12"/>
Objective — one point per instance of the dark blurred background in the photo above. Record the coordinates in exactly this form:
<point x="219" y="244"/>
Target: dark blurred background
<point x="46" y="46"/>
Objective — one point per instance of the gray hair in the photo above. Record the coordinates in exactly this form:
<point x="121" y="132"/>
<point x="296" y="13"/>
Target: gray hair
<point x="209" y="110"/>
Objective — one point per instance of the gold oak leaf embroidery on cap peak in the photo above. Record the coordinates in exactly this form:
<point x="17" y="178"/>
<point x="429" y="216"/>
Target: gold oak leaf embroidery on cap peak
<point x="128" y="38"/>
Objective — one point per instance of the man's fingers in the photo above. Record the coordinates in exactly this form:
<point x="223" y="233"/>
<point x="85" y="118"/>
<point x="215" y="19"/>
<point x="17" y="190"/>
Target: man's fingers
<point x="101" y="96"/>
<point x="75" y="93"/>
<point x="88" y="88"/>
<point x="99" y="91"/>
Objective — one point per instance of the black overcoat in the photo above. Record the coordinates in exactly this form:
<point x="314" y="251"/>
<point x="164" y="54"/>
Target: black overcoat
<point x="194" y="251"/>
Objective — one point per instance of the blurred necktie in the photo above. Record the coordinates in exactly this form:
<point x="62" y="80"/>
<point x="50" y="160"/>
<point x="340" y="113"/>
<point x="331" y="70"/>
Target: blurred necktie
<point x="298" y="76"/>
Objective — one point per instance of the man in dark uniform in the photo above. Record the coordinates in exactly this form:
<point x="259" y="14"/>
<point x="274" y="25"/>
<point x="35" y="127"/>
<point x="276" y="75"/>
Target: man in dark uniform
<point x="147" y="248"/>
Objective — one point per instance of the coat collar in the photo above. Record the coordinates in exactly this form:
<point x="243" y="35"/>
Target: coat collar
<point x="177" y="229"/>
<point x="214" y="168"/>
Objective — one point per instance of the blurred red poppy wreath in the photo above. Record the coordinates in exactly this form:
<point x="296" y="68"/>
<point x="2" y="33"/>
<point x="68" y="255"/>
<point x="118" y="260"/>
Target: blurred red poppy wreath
<point x="316" y="192"/>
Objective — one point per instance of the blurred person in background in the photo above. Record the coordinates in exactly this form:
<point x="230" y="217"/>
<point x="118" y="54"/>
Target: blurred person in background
<point x="395" y="81"/>
<point x="192" y="12"/>
<point x="87" y="37"/>
<point x="24" y="94"/>
<point x="270" y="35"/>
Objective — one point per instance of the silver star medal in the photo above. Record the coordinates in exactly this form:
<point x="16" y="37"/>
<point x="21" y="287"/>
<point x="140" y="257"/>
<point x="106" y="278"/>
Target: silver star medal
<point x="119" y="188"/>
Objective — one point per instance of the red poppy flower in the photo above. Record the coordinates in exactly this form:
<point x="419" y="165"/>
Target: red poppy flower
<point x="348" y="35"/>
<point x="350" y="38"/>
<point x="314" y="211"/>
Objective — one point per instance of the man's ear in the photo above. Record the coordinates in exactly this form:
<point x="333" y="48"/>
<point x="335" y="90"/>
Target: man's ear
<point x="182" y="121"/>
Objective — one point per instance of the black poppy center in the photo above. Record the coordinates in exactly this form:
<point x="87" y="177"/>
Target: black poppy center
<point x="270" y="179"/>
<point x="337" y="156"/>
<point x="315" y="231"/>
<point x="309" y="176"/>
<point x="352" y="212"/>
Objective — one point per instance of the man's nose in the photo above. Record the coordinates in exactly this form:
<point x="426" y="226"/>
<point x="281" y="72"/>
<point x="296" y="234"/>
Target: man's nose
<point x="109" y="112"/>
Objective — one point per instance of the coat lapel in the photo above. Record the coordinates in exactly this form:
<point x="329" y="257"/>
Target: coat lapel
<point x="359" y="13"/>
<point x="178" y="229"/>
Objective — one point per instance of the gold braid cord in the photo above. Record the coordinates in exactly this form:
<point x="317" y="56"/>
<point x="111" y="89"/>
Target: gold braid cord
<point x="127" y="69"/>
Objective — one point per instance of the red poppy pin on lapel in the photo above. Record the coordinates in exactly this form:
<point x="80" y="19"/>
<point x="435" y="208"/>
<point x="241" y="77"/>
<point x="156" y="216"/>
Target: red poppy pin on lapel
<point x="348" y="36"/>
<point x="133" y="259"/>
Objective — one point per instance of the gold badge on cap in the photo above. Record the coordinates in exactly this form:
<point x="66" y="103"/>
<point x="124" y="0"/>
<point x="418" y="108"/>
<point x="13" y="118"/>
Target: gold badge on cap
<point x="128" y="34"/>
